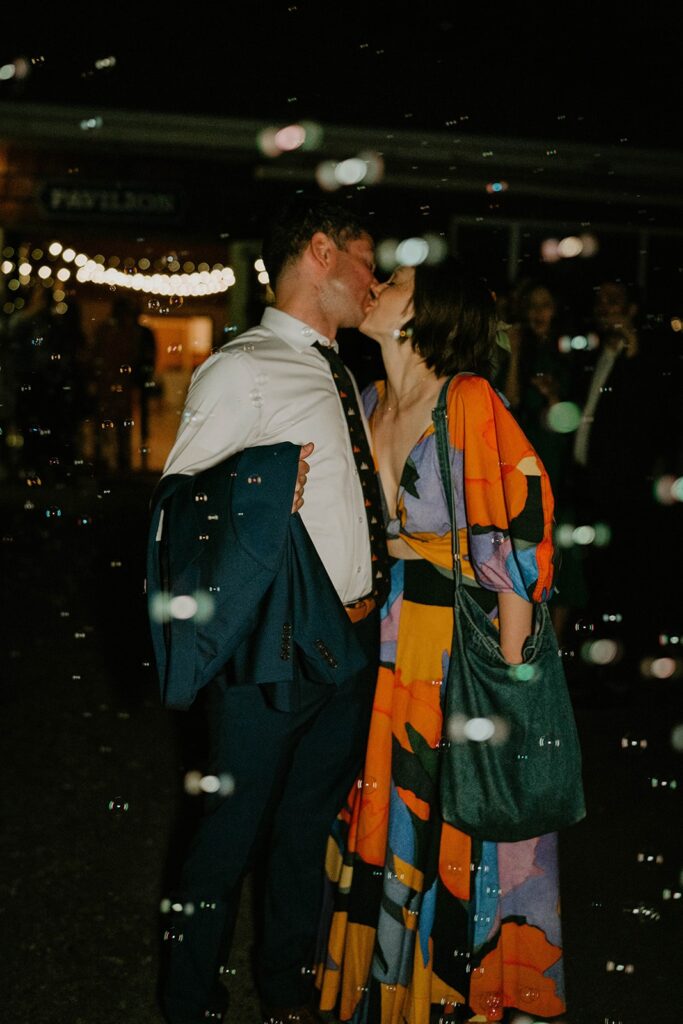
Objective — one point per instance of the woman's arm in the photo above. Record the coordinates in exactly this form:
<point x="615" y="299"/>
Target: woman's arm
<point x="515" y="616"/>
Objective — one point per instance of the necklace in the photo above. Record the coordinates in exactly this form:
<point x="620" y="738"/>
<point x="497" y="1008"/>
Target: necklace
<point x="393" y="408"/>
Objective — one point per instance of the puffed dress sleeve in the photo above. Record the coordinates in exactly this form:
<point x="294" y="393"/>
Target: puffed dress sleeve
<point x="506" y="495"/>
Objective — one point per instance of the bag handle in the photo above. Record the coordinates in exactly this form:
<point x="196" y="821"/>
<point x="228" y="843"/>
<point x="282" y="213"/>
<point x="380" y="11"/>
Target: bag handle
<point x="440" y="418"/>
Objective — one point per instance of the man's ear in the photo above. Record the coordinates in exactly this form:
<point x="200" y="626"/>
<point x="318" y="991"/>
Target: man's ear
<point x="321" y="247"/>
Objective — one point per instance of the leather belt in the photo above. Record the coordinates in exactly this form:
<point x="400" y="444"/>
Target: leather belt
<point x="358" y="610"/>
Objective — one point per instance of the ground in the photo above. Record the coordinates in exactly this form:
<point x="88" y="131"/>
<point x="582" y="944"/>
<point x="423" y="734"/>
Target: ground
<point x="95" y="815"/>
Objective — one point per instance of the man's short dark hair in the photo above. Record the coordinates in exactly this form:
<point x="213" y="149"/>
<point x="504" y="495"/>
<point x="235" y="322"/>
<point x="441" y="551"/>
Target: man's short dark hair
<point x="454" y="326"/>
<point x="296" y="223"/>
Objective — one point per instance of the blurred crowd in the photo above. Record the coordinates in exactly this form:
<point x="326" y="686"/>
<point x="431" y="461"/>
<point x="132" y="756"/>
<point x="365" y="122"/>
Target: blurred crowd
<point x="599" y="397"/>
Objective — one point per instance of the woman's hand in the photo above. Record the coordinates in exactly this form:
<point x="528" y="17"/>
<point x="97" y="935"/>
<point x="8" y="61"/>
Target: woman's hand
<point x="623" y="337"/>
<point x="302" y="473"/>
<point x="546" y="385"/>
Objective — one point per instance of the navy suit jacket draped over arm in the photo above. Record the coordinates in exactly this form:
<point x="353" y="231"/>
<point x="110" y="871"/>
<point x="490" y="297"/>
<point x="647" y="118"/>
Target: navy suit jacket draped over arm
<point x="255" y="591"/>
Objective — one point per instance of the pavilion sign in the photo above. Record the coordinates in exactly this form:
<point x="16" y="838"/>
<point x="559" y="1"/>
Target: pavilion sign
<point x="110" y="202"/>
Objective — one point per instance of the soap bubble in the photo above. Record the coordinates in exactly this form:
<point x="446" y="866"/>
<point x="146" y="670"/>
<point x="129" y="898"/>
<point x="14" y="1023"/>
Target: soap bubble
<point x="564" y="417"/>
<point x="183" y="606"/>
<point x="601" y="652"/>
<point x="117" y="805"/>
<point x="411" y="252"/>
<point x="479" y="729"/>
<point x="677" y="738"/>
<point x="460" y="728"/>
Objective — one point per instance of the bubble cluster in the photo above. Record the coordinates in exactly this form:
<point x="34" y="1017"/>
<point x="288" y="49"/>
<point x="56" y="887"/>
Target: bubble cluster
<point x="657" y="783"/>
<point x="643" y="913"/>
<point x="631" y="743"/>
<point x="650" y="858"/>
<point x="615" y="965"/>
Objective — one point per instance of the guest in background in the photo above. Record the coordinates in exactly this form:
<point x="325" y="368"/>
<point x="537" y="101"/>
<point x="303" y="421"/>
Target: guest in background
<point x="538" y="375"/>
<point x="8" y="399"/>
<point x="534" y="378"/>
<point x="617" y="448"/>
<point x="45" y="349"/>
<point x="146" y="382"/>
<point x="123" y="363"/>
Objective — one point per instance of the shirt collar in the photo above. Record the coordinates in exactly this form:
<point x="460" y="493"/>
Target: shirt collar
<point x="297" y="334"/>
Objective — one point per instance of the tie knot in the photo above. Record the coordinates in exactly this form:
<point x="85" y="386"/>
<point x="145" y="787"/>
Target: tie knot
<point x="327" y="351"/>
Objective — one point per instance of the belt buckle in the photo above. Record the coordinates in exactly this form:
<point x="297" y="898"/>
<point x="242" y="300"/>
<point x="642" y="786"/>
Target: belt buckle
<point x="360" y="609"/>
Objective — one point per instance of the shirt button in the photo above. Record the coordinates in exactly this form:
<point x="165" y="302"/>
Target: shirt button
<point x="361" y="519"/>
<point x="357" y="568"/>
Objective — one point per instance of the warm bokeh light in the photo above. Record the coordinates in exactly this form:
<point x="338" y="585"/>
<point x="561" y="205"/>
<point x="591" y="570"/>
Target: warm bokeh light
<point x="289" y="138"/>
<point x="570" y="247"/>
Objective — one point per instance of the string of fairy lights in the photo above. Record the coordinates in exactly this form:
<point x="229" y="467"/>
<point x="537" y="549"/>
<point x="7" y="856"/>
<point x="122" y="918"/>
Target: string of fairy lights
<point x="58" y="267"/>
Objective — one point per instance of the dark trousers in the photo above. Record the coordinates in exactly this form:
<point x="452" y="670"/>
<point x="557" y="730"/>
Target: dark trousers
<point x="291" y="772"/>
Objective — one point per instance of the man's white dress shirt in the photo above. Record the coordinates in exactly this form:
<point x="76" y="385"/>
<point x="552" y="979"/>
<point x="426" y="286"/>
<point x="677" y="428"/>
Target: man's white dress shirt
<point x="270" y="385"/>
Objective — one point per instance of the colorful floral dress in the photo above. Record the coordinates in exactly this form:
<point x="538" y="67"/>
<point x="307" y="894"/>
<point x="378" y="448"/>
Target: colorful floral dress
<point x="424" y="924"/>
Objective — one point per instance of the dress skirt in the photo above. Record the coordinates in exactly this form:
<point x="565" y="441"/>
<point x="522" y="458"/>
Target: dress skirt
<point x="423" y="924"/>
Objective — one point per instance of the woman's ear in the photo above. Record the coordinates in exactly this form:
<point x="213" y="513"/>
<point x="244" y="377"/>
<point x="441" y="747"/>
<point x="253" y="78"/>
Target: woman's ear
<point x="408" y="314"/>
<point x="405" y="330"/>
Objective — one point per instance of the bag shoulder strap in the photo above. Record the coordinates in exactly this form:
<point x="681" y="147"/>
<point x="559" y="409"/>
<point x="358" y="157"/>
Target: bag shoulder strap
<point x="440" y="418"/>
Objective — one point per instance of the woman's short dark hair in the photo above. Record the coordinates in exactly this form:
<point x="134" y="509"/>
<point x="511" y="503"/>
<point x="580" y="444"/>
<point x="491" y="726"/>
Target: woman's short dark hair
<point x="454" y="326"/>
<point x="296" y="223"/>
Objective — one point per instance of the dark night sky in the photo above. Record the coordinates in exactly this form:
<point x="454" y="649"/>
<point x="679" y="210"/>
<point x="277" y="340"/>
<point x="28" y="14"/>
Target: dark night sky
<point x="497" y="70"/>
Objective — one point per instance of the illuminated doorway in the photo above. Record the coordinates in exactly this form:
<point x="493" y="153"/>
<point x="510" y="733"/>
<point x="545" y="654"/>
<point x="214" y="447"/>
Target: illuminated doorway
<point x="182" y="343"/>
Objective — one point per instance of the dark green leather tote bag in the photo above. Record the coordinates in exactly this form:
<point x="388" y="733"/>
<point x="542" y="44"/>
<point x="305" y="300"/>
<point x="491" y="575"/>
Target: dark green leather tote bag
<point x="510" y="757"/>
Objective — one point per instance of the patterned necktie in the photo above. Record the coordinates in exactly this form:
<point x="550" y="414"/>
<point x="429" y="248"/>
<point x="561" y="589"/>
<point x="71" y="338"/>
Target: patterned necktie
<point x="381" y="581"/>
